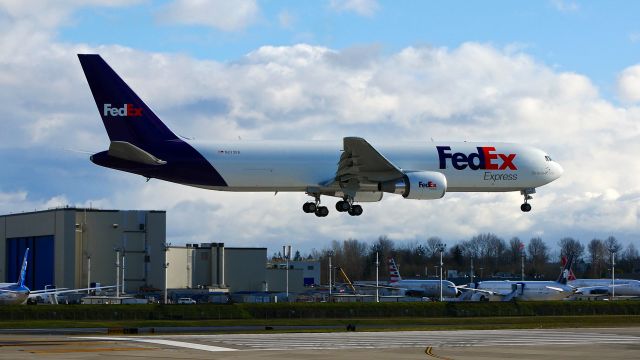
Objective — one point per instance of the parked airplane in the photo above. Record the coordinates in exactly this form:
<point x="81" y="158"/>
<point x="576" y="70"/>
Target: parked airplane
<point x="506" y="290"/>
<point x="142" y="144"/>
<point x="18" y="293"/>
<point x="428" y="288"/>
<point x="604" y="287"/>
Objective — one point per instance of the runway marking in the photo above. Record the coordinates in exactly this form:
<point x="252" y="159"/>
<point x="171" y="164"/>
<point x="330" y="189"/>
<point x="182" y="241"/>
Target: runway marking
<point x="174" y="343"/>
<point x="429" y="352"/>
<point x="379" y="340"/>
<point x="62" y="351"/>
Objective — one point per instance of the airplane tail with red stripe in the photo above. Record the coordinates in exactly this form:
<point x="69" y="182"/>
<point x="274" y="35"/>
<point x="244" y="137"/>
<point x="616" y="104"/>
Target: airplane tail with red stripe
<point x="394" y="273"/>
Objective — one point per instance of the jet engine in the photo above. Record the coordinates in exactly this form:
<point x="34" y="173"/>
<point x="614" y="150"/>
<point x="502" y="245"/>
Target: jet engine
<point x="421" y="185"/>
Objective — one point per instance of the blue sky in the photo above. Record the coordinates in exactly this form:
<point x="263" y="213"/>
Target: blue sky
<point x="595" y="38"/>
<point x="561" y="75"/>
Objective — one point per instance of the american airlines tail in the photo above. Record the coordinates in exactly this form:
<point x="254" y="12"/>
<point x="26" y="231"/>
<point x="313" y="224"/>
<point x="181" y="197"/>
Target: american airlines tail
<point x="394" y="274"/>
<point x="23" y="270"/>
<point x="566" y="274"/>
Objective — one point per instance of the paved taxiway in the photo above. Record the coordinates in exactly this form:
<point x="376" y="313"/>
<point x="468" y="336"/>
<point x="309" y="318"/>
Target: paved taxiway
<point x="620" y="343"/>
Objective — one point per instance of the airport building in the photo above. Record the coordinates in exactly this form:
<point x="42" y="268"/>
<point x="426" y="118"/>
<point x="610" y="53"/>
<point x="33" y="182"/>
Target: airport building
<point x="73" y="247"/>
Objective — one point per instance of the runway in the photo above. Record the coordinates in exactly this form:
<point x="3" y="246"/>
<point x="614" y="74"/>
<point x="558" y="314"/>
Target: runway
<point x="464" y="344"/>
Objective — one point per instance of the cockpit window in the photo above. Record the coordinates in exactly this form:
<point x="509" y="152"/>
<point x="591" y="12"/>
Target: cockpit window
<point x="547" y="158"/>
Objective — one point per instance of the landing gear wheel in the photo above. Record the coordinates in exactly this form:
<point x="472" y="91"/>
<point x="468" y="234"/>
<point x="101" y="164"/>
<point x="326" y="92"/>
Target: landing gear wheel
<point x="309" y="207"/>
<point x="322" y="211"/>
<point x="343" y="206"/>
<point x="526" y="207"/>
<point x="356" y="210"/>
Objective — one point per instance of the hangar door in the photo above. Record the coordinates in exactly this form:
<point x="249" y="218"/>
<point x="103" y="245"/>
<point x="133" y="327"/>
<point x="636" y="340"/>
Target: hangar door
<point x="40" y="268"/>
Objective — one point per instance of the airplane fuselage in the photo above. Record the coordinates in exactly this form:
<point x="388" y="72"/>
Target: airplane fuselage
<point x="298" y="166"/>
<point x="428" y="288"/>
<point x="623" y="287"/>
<point x="527" y="290"/>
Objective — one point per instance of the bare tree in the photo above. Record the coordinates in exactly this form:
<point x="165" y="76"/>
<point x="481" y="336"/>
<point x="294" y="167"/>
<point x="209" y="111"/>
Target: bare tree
<point x="538" y="255"/>
<point x="630" y="259"/>
<point x="612" y="244"/>
<point x="597" y="255"/>
<point x="571" y="247"/>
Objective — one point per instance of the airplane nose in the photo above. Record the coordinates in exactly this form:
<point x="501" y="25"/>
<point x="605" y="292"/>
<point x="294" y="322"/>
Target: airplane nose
<point x="558" y="170"/>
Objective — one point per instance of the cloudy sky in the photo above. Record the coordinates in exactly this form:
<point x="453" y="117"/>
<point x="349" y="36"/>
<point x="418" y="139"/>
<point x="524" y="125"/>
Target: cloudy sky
<point x="560" y="75"/>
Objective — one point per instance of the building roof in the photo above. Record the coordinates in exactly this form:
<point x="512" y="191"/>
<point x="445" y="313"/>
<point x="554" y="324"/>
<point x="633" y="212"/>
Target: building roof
<point x="76" y="209"/>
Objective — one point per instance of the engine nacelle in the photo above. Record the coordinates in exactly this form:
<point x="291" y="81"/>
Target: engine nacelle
<point x="421" y="185"/>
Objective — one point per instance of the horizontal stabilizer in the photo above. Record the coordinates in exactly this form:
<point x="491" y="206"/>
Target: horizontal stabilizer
<point x="127" y="151"/>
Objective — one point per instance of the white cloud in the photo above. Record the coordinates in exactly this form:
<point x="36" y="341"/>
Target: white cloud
<point x="629" y="84"/>
<point x="220" y="14"/>
<point x="286" y="19"/>
<point x="472" y="92"/>
<point x="361" y="7"/>
<point x="565" y="6"/>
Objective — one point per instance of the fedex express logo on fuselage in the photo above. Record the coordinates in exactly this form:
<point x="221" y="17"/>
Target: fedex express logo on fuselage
<point x="125" y="110"/>
<point x="486" y="158"/>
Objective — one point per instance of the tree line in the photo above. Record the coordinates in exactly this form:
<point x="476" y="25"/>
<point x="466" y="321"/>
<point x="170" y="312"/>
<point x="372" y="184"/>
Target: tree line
<point x="491" y="256"/>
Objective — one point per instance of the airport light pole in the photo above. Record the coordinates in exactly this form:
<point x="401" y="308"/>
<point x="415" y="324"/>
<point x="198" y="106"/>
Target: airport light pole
<point x="330" y="254"/>
<point x="613" y="273"/>
<point x="471" y="270"/>
<point x="117" y="272"/>
<point x="441" y="248"/>
<point x="166" y="266"/>
<point x="377" y="278"/>
<point x="286" y="249"/>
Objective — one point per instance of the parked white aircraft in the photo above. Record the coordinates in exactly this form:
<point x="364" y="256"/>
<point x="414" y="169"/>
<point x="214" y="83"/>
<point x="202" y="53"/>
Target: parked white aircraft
<point x="17" y="293"/>
<point x="506" y="290"/>
<point x="428" y="288"/>
<point x="604" y="287"/>
<point x="352" y="170"/>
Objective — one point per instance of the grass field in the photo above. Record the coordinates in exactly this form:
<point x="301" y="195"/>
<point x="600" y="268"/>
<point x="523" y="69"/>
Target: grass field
<point x="411" y="323"/>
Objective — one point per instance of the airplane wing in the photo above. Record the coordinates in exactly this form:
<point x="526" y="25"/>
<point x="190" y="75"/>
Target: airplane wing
<point x="379" y="286"/>
<point x="362" y="163"/>
<point x="555" y="288"/>
<point x="35" y="293"/>
<point x="482" y="291"/>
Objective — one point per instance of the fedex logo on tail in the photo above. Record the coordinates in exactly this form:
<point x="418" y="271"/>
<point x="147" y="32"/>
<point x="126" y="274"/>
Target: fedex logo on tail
<point x="486" y="158"/>
<point x="125" y="110"/>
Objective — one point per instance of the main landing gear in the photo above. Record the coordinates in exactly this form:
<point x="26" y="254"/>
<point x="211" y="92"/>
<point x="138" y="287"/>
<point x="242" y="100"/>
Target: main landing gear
<point x="345" y="205"/>
<point x="314" y="207"/>
<point x="526" y="207"/>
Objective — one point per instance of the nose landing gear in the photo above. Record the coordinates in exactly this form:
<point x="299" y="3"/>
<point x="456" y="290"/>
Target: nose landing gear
<point x="526" y="207"/>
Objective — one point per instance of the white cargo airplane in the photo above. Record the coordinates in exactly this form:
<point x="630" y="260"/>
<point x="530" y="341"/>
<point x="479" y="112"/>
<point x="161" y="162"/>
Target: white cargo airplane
<point x="532" y="290"/>
<point x="428" y="288"/>
<point x="18" y="293"/>
<point x="352" y="170"/>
